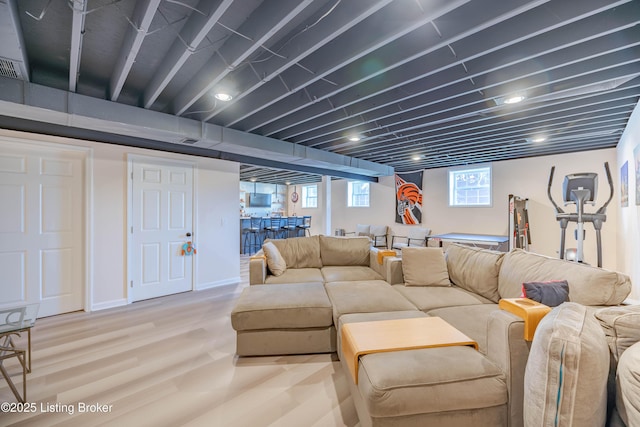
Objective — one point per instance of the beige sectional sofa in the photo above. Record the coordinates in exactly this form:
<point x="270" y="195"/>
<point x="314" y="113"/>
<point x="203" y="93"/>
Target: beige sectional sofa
<point x="448" y="386"/>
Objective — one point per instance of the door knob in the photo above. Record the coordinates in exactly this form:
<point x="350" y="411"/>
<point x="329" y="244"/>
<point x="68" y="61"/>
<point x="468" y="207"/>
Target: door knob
<point x="188" y="234"/>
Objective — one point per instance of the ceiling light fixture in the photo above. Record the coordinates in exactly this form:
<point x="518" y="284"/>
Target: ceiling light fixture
<point x="514" y="99"/>
<point x="354" y="138"/>
<point x="539" y="139"/>
<point x="223" y="97"/>
<point x="417" y="157"/>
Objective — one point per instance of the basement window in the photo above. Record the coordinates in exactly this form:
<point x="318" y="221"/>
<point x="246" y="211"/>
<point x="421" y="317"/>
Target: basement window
<point x="470" y="187"/>
<point x="310" y="196"/>
<point x="358" y="194"/>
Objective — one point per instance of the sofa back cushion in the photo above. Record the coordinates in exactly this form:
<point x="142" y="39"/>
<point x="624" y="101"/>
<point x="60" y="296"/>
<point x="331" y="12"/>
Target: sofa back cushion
<point x="587" y="285"/>
<point x="344" y="250"/>
<point x="424" y="267"/>
<point x="565" y="381"/>
<point x="299" y="252"/>
<point x="475" y="269"/>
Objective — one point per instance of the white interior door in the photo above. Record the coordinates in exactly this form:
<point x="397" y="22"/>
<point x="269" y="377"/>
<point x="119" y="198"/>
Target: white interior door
<point x="42" y="227"/>
<point x="161" y="217"/>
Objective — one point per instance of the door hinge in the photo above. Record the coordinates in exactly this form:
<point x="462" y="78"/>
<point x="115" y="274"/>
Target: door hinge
<point x="132" y="229"/>
<point x="131" y="176"/>
<point x="131" y="284"/>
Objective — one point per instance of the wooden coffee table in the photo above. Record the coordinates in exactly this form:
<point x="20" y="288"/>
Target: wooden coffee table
<point x="380" y="336"/>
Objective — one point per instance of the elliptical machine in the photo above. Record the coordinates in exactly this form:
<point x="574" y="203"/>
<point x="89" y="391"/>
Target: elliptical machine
<point x="579" y="189"/>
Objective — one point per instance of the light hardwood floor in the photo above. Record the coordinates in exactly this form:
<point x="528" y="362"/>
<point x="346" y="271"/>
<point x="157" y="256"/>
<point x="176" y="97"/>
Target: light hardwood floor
<point x="171" y="362"/>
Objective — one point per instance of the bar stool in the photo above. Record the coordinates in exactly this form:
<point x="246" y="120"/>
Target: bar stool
<point x="299" y="224"/>
<point x="252" y="236"/>
<point x="273" y="228"/>
<point x="290" y="227"/>
<point x="306" y="225"/>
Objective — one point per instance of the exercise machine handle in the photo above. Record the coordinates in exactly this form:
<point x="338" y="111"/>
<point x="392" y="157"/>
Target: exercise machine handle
<point x="558" y="209"/>
<point x="603" y="208"/>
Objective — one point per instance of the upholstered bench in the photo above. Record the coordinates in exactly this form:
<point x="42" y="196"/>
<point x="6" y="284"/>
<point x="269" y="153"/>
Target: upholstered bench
<point x="283" y="319"/>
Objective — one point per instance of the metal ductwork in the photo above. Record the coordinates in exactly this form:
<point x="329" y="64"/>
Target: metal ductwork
<point x="43" y="104"/>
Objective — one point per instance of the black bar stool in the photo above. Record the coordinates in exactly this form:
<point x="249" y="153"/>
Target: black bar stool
<point x="252" y="236"/>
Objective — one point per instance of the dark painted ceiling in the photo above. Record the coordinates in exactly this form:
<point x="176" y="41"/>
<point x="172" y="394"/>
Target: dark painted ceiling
<point x="422" y="83"/>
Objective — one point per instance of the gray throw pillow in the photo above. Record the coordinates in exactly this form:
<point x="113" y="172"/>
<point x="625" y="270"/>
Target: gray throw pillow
<point x="551" y="293"/>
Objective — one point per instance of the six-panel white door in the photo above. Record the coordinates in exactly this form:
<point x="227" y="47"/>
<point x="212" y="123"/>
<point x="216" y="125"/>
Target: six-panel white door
<point x="42" y="227"/>
<point x="161" y="219"/>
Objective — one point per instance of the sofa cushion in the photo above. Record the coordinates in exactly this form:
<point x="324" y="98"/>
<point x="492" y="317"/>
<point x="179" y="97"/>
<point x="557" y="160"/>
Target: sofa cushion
<point x="297" y="275"/>
<point x="587" y="285"/>
<point x="628" y="385"/>
<point x="275" y="261"/>
<point x="475" y="269"/>
<point x="369" y="296"/>
<point x="471" y="320"/>
<point x="424" y="267"/>
<point x="551" y="293"/>
<point x="565" y="380"/>
<point x="429" y="298"/>
<point x="344" y="250"/>
<point x="349" y="273"/>
<point x="431" y="380"/>
<point x="299" y="252"/>
<point x="300" y="305"/>
<point x="621" y="326"/>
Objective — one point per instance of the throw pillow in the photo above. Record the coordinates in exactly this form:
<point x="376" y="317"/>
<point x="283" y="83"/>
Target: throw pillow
<point x="275" y="261"/>
<point x="552" y="293"/>
<point x="424" y="267"/>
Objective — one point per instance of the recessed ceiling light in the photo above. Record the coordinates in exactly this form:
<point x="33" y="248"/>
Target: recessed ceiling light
<point x="417" y="157"/>
<point x="223" y="97"/>
<point x="514" y="99"/>
<point x="354" y="138"/>
<point x="539" y="139"/>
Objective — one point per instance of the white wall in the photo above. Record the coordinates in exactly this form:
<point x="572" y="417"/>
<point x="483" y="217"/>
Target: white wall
<point x="629" y="217"/>
<point x="216" y="232"/>
<point x="527" y="178"/>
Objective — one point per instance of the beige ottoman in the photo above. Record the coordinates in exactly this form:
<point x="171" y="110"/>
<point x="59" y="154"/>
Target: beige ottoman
<point x="446" y="386"/>
<point x="283" y="319"/>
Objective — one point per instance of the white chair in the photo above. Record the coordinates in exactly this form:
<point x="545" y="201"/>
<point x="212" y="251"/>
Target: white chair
<point x="416" y="236"/>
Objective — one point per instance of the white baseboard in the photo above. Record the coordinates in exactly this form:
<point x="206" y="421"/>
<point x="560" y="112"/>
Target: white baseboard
<point x="109" y="304"/>
<point x="209" y="285"/>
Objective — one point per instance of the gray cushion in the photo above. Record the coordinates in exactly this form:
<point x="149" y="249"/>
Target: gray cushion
<point x="429" y="298"/>
<point x="297" y="275"/>
<point x="628" y="384"/>
<point x="431" y="380"/>
<point x="565" y="379"/>
<point x="301" y="305"/>
<point x="424" y="267"/>
<point x="587" y="285"/>
<point x="369" y="296"/>
<point x="621" y="326"/>
<point x="349" y="273"/>
<point x="551" y="293"/>
<point x="475" y="269"/>
<point x="276" y="263"/>
<point x="471" y="320"/>
<point x="344" y="250"/>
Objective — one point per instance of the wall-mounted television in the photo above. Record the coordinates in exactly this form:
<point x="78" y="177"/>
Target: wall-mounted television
<point x="258" y="200"/>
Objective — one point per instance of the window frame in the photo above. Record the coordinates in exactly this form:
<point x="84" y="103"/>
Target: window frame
<point x="452" y="173"/>
<point x="305" y="198"/>
<point x="351" y="195"/>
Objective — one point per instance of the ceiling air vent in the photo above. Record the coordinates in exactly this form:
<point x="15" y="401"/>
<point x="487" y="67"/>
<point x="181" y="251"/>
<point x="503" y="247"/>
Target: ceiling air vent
<point x="10" y="69"/>
<point x="189" y="141"/>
